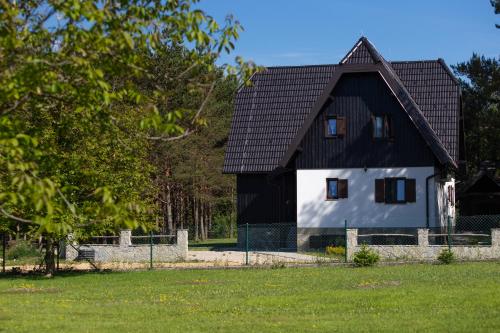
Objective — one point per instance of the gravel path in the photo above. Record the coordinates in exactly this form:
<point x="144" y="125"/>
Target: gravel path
<point x="232" y="258"/>
<point x="201" y="259"/>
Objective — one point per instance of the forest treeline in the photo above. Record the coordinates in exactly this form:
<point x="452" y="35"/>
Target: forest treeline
<point x="192" y="191"/>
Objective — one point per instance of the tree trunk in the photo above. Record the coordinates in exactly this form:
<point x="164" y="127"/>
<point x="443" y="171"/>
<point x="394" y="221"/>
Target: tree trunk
<point x="202" y="221"/>
<point x="168" y="200"/>
<point x="195" y="214"/>
<point x="181" y="209"/>
<point x="50" y="262"/>
<point x="209" y="219"/>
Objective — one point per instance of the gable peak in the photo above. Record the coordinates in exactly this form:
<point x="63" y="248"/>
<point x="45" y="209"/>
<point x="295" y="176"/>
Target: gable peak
<point x="363" y="52"/>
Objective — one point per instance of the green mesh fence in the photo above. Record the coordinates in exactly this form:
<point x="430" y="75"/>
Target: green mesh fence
<point x="465" y="231"/>
<point x="267" y="237"/>
<point x="388" y="236"/>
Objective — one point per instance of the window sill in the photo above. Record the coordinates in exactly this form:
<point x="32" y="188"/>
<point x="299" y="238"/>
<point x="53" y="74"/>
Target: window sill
<point x="397" y="203"/>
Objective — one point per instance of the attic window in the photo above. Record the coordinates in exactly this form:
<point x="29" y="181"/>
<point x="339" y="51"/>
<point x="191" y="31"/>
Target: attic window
<point x="334" y="126"/>
<point x="382" y="127"/>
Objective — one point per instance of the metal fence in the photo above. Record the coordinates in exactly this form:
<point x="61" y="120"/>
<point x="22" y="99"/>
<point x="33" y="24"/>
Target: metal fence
<point x="461" y="231"/>
<point x="31" y="252"/>
<point x="388" y="236"/>
<point x="267" y="237"/>
<point x="153" y="239"/>
<point x="282" y="237"/>
<point x="101" y="240"/>
<point x="465" y="231"/>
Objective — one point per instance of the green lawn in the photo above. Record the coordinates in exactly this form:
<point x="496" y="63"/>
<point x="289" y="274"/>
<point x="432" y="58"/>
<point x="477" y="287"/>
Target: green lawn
<point x="458" y="298"/>
<point x="213" y="244"/>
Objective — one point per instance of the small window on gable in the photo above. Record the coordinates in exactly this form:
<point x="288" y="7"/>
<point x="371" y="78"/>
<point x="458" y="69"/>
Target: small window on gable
<point x="335" y="126"/>
<point x="382" y="127"/>
<point x="336" y="188"/>
<point x="331" y="126"/>
<point x="378" y="127"/>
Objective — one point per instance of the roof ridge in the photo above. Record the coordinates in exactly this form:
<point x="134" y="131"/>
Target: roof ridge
<point x="412" y="61"/>
<point x="301" y="66"/>
<point x="335" y="64"/>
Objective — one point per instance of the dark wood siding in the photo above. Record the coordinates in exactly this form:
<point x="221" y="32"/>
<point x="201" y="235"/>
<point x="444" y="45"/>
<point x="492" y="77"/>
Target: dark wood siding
<point x="356" y="97"/>
<point x="264" y="200"/>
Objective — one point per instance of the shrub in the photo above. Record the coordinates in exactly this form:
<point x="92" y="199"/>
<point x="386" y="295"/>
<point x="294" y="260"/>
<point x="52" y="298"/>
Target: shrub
<point x="446" y="257"/>
<point x="335" y="250"/>
<point x="22" y="249"/>
<point x="366" y="256"/>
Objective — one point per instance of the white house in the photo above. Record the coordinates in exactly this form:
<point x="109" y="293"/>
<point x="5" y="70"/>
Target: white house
<point x="367" y="141"/>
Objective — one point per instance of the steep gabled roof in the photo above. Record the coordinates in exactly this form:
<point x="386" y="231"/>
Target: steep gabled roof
<point x="269" y="114"/>
<point x="362" y="52"/>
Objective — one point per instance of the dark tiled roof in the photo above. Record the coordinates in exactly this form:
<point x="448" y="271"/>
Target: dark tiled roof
<point x="360" y="54"/>
<point x="438" y="96"/>
<point x="269" y="113"/>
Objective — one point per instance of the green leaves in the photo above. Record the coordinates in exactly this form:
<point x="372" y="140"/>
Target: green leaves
<point x="128" y="39"/>
<point x="81" y="91"/>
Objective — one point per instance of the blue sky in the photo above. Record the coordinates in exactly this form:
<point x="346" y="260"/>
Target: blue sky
<point x="299" y="32"/>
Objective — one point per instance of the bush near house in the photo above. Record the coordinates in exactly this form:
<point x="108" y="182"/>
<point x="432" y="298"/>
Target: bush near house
<point x="22" y="249"/>
<point x="366" y="256"/>
<point x="335" y="250"/>
<point x="446" y="256"/>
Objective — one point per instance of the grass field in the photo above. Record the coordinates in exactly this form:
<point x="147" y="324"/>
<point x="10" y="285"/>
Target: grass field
<point x="454" y="298"/>
<point x="213" y="244"/>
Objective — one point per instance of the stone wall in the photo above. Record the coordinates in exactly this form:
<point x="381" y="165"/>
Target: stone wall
<point x="424" y="251"/>
<point x="127" y="252"/>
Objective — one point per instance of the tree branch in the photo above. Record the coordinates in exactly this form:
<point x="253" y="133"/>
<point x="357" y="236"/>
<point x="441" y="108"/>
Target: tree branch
<point x="204" y="103"/>
<point x="171" y="138"/>
<point x="16" y="104"/>
<point x="191" y="130"/>
<point x="15" y="218"/>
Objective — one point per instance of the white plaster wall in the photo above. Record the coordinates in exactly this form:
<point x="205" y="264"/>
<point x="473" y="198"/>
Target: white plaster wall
<point x="360" y="209"/>
<point x="443" y="203"/>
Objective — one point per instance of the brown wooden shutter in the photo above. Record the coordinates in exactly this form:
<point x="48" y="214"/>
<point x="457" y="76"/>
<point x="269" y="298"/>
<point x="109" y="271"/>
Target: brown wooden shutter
<point x="379" y="190"/>
<point x="411" y="191"/>
<point x="342" y="183"/>
<point x="341" y="126"/>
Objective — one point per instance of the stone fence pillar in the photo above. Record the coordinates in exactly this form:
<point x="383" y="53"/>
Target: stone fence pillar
<point x="70" y="252"/>
<point x="182" y="242"/>
<point x="352" y="243"/>
<point x="125" y="238"/>
<point x="423" y="237"/>
<point x="495" y="238"/>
